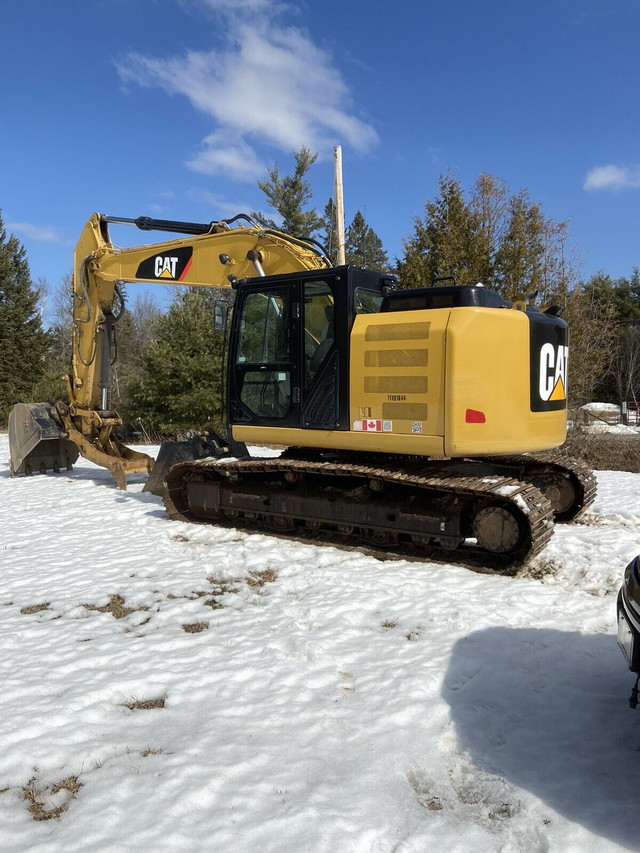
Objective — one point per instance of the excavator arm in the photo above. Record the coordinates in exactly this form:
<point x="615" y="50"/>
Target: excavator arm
<point x="215" y="254"/>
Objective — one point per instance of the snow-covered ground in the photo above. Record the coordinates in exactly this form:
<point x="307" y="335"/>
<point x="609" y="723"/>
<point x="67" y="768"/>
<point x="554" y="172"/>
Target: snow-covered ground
<point x="172" y="687"/>
<point x="598" y="418"/>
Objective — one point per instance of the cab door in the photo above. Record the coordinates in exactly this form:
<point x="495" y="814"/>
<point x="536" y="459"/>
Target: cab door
<point x="264" y="377"/>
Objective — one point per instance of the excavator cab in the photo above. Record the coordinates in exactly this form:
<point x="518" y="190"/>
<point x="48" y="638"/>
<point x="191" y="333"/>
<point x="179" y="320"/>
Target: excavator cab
<point x="290" y="342"/>
<point x="288" y="359"/>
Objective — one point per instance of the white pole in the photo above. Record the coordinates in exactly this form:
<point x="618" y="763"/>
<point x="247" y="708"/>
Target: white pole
<point x="339" y="205"/>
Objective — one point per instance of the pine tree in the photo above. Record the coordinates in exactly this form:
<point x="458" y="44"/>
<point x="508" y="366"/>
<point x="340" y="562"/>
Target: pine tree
<point x="620" y="300"/>
<point x="134" y="332"/>
<point x="591" y="343"/>
<point x="444" y="242"/>
<point x="58" y="357"/>
<point x="23" y="343"/>
<point x="634" y="285"/>
<point x="289" y="195"/>
<point x="180" y="376"/>
<point x="622" y="294"/>
<point x="363" y="246"/>
<point x="503" y="241"/>
<point x="488" y="208"/>
<point x="329" y="234"/>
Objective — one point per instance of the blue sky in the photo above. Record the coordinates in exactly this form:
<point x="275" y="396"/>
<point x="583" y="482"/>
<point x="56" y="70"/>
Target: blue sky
<point x="174" y="108"/>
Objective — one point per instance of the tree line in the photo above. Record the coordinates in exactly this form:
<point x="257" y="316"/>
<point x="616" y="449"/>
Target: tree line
<point x="168" y="377"/>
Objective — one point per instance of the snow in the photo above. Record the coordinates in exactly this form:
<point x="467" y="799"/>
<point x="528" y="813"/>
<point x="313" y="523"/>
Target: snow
<point x="618" y="429"/>
<point x="331" y="702"/>
<point x="610" y="408"/>
<point x="606" y="418"/>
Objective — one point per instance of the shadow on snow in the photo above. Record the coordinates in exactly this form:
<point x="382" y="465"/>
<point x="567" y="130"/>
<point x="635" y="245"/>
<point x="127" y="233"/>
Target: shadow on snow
<point x="547" y="710"/>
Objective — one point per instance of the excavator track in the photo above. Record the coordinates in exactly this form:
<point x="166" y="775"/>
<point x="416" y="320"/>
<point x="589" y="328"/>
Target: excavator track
<point x="492" y="521"/>
<point x="570" y="485"/>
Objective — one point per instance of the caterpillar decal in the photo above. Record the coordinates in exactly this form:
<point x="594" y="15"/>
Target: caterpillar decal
<point x="167" y="266"/>
<point x="548" y="366"/>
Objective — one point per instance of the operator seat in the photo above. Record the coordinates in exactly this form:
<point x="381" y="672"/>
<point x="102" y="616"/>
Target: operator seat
<point x="327" y="340"/>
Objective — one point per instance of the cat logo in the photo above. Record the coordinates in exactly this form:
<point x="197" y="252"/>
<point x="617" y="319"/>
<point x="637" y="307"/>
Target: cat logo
<point x="552" y="384"/>
<point x="548" y="357"/>
<point x="167" y="266"/>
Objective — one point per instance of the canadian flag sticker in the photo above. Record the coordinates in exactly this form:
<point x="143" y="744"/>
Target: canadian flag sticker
<point x="371" y="426"/>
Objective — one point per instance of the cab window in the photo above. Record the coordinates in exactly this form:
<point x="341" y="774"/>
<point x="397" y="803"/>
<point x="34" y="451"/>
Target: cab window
<point x="367" y="301"/>
<point x="319" y="331"/>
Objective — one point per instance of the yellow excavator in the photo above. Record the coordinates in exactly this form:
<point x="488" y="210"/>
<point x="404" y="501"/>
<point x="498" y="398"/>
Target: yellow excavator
<point x="413" y="420"/>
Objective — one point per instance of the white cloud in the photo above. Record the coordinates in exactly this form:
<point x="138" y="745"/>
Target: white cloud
<point x="40" y="233"/>
<point x="612" y="178"/>
<point x="220" y="206"/>
<point x="268" y="84"/>
<point x="217" y="156"/>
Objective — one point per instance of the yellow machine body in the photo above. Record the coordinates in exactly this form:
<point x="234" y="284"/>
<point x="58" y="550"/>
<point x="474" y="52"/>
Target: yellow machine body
<point x="449" y="382"/>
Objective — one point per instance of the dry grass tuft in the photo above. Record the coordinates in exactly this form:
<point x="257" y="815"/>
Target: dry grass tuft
<point x="195" y="627"/>
<point x="213" y="603"/>
<point x="36" y="797"/>
<point x="389" y="623"/>
<point x="198" y="593"/>
<point x="261" y="578"/>
<point x="35" y="608"/>
<point x="149" y="750"/>
<point x="222" y="586"/>
<point x="604" y="452"/>
<point x="144" y="704"/>
<point x="539" y="569"/>
<point x="115" y="607"/>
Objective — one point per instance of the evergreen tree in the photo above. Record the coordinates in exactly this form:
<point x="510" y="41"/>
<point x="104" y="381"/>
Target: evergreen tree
<point x="289" y="195"/>
<point x="23" y="343"/>
<point x="58" y="357"/>
<point x="134" y="332"/>
<point x="591" y="342"/>
<point x="619" y="299"/>
<point x="444" y="242"/>
<point x="634" y="285"/>
<point x="503" y="241"/>
<point x="180" y="376"/>
<point x="488" y="207"/>
<point x="329" y="235"/>
<point x="363" y="246"/>
<point x="622" y="293"/>
<point x="519" y="259"/>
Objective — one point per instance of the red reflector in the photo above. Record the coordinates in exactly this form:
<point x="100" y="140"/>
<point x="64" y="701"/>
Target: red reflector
<point x="474" y="417"/>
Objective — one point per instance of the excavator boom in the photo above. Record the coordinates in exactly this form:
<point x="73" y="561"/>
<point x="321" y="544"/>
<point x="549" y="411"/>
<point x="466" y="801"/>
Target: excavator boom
<point x="216" y="254"/>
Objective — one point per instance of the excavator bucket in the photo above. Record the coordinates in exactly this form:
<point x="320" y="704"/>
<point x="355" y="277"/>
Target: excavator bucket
<point x="172" y="452"/>
<point x="195" y="447"/>
<point x="38" y="441"/>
